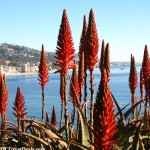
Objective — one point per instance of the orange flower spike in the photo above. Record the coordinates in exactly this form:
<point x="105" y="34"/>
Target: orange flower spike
<point x="4" y="78"/>
<point x="3" y="98"/>
<point x="104" y="126"/>
<point x="53" y="118"/>
<point x="3" y="102"/>
<point x="64" y="56"/>
<point x="133" y="77"/>
<point x="92" y="44"/>
<point x="43" y="69"/>
<point x="81" y="54"/>
<point x="65" y="47"/>
<point x="146" y="66"/>
<point x="92" y="47"/>
<point x="19" y="105"/>
<point x="101" y="64"/>
<point x="107" y="60"/>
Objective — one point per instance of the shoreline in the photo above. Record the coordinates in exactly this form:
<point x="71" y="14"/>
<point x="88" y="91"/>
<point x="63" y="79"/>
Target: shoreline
<point x="25" y="73"/>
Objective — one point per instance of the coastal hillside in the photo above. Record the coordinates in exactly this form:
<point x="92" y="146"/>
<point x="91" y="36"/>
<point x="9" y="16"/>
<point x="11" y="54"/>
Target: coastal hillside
<point x="15" y="55"/>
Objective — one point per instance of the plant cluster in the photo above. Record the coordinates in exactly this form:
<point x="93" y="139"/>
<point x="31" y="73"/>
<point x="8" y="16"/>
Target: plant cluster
<point x="96" y="123"/>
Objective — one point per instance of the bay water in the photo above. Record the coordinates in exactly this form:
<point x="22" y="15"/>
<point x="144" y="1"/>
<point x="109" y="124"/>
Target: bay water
<point x="31" y="90"/>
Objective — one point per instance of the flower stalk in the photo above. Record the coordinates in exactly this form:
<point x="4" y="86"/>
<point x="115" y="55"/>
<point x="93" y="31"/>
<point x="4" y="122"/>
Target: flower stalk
<point x="43" y="78"/>
<point x="64" y="57"/>
<point x="92" y="47"/>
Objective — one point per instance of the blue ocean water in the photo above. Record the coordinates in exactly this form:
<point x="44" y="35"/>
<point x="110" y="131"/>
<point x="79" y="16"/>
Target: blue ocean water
<point x="31" y="90"/>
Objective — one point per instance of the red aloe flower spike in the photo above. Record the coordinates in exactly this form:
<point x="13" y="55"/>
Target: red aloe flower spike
<point x="19" y="105"/>
<point x="141" y="83"/>
<point x="146" y="66"/>
<point x="84" y="53"/>
<point x="43" y="77"/>
<point x="4" y="78"/>
<point x="74" y="86"/>
<point x="146" y="76"/>
<point x="19" y="108"/>
<point x="92" y="44"/>
<point x="104" y="126"/>
<point x="53" y="118"/>
<point x="133" y="78"/>
<point x="92" y="47"/>
<point x="65" y="47"/>
<point x="81" y="55"/>
<point x="107" y="61"/>
<point x="101" y="64"/>
<point x="64" y="57"/>
<point x="3" y="102"/>
<point x="43" y="69"/>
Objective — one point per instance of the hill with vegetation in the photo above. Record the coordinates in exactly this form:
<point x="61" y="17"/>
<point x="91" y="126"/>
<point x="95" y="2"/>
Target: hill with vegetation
<point x="14" y="55"/>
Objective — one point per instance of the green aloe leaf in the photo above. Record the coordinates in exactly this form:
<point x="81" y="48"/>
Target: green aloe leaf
<point x="84" y="126"/>
<point x="122" y="109"/>
<point x="122" y="120"/>
<point x="129" y="111"/>
<point x="63" y="128"/>
<point x="84" y="129"/>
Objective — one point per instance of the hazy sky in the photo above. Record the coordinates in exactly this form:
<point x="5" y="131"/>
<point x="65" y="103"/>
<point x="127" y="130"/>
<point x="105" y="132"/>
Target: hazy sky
<point x="124" y="24"/>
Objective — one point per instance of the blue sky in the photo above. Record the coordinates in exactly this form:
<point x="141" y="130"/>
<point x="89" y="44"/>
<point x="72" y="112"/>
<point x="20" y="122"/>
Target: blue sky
<point x="124" y="24"/>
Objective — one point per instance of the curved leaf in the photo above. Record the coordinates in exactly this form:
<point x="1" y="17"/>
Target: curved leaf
<point x="127" y="113"/>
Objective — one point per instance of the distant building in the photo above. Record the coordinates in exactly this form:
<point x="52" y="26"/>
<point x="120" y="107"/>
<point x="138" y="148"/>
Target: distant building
<point x="25" y="68"/>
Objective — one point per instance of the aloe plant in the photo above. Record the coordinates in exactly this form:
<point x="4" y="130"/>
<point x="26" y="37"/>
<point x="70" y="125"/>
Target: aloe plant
<point x="146" y="75"/>
<point x="43" y="77"/>
<point x="92" y="46"/>
<point x="104" y="126"/>
<point x="133" y="81"/>
<point x="107" y="61"/>
<point x="19" y="108"/>
<point x="3" y="102"/>
<point x="105" y="129"/>
<point x="81" y="54"/>
<point x="64" y="56"/>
